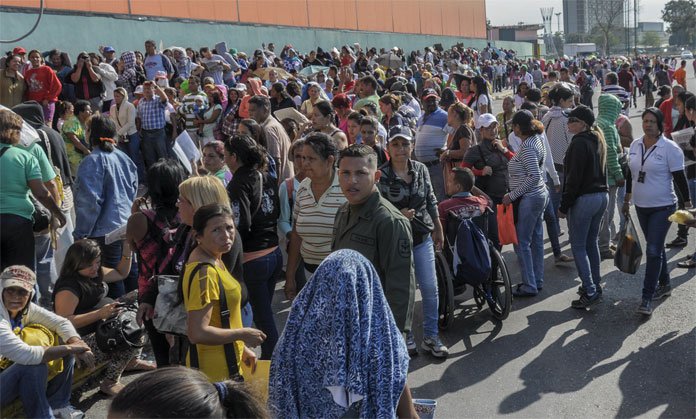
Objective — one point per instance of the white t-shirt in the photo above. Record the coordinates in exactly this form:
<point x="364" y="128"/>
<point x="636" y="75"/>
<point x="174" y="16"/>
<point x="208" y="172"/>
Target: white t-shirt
<point x="482" y="100"/>
<point x="661" y="160"/>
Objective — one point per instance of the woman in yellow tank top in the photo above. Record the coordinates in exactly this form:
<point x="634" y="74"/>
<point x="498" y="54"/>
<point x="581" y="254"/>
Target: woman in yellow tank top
<point x="203" y="277"/>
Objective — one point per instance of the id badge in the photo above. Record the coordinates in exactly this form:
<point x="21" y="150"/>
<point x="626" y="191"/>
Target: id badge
<point x="641" y="177"/>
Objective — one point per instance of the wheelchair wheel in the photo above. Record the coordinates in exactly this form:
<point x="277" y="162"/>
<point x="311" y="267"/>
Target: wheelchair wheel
<point x="445" y="291"/>
<point x="500" y="287"/>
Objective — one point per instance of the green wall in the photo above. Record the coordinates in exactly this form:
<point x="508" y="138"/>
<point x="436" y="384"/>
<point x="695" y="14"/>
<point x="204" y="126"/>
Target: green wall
<point x="73" y="33"/>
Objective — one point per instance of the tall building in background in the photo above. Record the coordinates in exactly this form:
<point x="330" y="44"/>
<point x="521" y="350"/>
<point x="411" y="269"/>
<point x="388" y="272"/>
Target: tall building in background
<point x="581" y="16"/>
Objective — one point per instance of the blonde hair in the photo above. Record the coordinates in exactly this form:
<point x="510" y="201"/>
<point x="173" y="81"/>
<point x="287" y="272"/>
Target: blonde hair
<point x="204" y="190"/>
<point x="602" y="145"/>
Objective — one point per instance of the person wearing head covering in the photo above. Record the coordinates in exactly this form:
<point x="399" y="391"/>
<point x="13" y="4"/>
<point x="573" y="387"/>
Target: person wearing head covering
<point x="324" y="363"/>
<point x="584" y="199"/>
<point x="128" y="74"/>
<point x="24" y="372"/>
<point x="123" y="115"/>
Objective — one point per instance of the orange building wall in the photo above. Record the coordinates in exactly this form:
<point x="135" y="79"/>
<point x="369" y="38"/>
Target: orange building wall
<point x="464" y="18"/>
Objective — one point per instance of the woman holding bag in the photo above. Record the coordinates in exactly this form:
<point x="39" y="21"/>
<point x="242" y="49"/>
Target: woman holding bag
<point x="584" y="199"/>
<point x="527" y="187"/>
<point x="656" y="164"/>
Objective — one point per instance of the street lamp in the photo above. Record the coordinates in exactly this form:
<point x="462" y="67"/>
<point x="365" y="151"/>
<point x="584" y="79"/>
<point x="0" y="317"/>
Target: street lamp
<point x="558" y="19"/>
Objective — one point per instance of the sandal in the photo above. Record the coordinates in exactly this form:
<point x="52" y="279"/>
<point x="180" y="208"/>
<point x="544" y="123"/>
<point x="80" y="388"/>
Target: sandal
<point x="140" y="365"/>
<point x="687" y="264"/>
<point x="111" y="388"/>
<point x="519" y="293"/>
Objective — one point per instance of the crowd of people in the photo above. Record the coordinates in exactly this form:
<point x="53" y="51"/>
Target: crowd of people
<point x="332" y="171"/>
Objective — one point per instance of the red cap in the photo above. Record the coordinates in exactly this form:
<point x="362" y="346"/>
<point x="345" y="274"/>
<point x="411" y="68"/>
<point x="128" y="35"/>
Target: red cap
<point x="19" y="51"/>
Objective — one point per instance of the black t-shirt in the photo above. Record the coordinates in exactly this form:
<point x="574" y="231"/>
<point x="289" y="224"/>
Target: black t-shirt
<point x="91" y="295"/>
<point x="482" y="155"/>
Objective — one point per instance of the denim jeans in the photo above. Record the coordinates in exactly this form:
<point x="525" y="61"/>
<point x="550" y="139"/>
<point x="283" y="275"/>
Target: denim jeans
<point x="424" y="263"/>
<point x="437" y="181"/>
<point x="493" y="223"/>
<point x="260" y="276"/>
<point x="247" y="315"/>
<point x="111" y="255"/>
<point x="530" y="238"/>
<point x="551" y="221"/>
<point x="692" y="192"/>
<point x="16" y="241"/>
<point x="655" y="225"/>
<point x="154" y="145"/>
<point x="46" y="274"/>
<point x="556" y="198"/>
<point x="620" y="196"/>
<point x="584" y="219"/>
<point x="607" y="231"/>
<point x="132" y="149"/>
<point x="28" y="382"/>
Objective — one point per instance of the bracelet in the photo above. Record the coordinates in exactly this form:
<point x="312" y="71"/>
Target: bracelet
<point x="127" y="257"/>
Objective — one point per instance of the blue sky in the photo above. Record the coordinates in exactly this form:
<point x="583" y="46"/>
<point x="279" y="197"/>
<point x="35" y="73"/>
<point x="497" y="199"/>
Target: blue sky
<point x="528" y="11"/>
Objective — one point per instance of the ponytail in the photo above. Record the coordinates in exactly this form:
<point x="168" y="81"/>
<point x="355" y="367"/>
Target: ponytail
<point x="601" y="145"/>
<point x="240" y="401"/>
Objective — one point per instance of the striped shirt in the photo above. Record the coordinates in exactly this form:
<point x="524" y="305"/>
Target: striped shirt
<point x="151" y="113"/>
<point x="525" y="169"/>
<point x="618" y="91"/>
<point x="187" y="109"/>
<point x="556" y="129"/>
<point x="314" y="220"/>
<point x="431" y="135"/>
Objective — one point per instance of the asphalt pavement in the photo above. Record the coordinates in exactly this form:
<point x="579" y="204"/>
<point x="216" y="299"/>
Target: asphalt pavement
<point x="550" y="360"/>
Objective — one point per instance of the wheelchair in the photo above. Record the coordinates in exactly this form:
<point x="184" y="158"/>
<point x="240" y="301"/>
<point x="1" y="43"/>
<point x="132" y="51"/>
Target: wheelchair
<point x="495" y="291"/>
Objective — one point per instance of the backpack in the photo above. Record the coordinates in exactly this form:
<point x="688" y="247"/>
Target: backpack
<point x="471" y="254"/>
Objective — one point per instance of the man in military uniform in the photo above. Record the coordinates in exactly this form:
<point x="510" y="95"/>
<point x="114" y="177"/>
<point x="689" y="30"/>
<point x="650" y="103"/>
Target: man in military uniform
<point x="371" y="225"/>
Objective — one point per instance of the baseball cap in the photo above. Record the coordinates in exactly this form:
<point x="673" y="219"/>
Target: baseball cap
<point x="485" y="121"/>
<point x="19" y="51"/>
<point x="18" y="276"/>
<point x="428" y="93"/>
<point x="139" y="90"/>
<point x="109" y="49"/>
<point x="400" y="131"/>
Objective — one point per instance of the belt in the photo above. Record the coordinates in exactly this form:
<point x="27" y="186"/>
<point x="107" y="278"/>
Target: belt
<point x="431" y="163"/>
<point x="558" y="166"/>
<point x="152" y="130"/>
<point x="311" y="268"/>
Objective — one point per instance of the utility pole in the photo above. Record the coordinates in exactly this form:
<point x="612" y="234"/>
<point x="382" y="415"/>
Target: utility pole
<point x="558" y="19"/>
<point x="635" y="29"/>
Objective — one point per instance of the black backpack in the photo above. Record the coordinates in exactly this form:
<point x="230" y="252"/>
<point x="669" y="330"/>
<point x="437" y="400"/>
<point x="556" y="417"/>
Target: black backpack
<point x="471" y="254"/>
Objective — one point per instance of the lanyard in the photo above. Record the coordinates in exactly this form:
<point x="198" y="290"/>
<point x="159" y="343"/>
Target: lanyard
<point x="643" y="157"/>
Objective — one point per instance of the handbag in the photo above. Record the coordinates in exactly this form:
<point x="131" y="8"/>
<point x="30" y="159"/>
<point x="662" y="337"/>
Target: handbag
<point x="628" y="250"/>
<point x="507" y="234"/>
<point x="170" y="313"/>
<point x="120" y="332"/>
<point x="35" y="334"/>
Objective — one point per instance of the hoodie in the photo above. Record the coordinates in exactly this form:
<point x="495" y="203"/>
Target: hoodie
<point x="609" y="110"/>
<point x="129" y="78"/>
<point x="255" y="87"/>
<point x="32" y="113"/>
<point x="223" y="51"/>
<point x="14" y="349"/>
<point x="42" y="84"/>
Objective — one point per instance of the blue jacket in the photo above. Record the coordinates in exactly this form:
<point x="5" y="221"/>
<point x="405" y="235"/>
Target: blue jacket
<point x="104" y="191"/>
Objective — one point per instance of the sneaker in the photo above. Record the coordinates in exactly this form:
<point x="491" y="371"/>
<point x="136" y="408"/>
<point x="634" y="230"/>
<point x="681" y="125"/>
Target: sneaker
<point x="598" y="290"/>
<point x="607" y="254"/>
<point x="435" y="347"/>
<point x="662" y="291"/>
<point x="678" y="242"/>
<point x="585" y="301"/>
<point x="645" y="308"/>
<point x="563" y="258"/>
<point x="411" y="345"/>
<point x="68" y="412"/>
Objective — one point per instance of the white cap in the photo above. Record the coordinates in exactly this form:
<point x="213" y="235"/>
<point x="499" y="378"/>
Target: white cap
<point x="485" y="121"/>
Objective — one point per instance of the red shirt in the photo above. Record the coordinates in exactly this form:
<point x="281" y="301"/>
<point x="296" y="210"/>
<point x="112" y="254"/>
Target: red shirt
<point x="462" y="206"/>
<point x="625" y="80"/>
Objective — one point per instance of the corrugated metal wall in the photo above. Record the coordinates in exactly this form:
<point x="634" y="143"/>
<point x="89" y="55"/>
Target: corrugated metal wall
<point x="464" y="18"/>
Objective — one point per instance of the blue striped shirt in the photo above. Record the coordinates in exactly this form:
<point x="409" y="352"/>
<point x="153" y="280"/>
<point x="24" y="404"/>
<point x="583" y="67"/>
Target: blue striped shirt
<point x="525" y="169"/>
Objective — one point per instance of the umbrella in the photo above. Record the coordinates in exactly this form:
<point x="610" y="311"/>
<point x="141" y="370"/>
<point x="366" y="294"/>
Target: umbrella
<point x="263" y="73"/>
<point x="390" y="60"/>
<point x="313" y="69"/>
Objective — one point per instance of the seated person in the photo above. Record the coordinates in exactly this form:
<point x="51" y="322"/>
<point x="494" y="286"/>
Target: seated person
<point x="467" y="201"/>
<point x="80" y="296"/>
<point x="23" y="368"/>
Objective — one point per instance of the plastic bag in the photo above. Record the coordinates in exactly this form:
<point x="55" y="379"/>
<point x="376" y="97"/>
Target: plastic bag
<point x="628" y="251"/>
<point x="507" y="234"/>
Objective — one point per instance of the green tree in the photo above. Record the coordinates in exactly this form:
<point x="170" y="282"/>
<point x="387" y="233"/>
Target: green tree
<point x="607" y="14"/>
<point x="681" y="16"/>
<point x="652" y="40"/>
<point x="558" y="41"/>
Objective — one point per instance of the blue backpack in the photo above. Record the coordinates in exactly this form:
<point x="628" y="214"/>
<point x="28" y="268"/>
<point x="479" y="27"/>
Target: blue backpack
<point x="472" y="257"/>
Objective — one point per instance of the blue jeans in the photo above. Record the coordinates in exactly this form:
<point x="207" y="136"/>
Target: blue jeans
<point x="584" y="220"/>
<point x="247" y="316"/>
<point x="28" y="382"/>
<point x="260" y="276"/>
<point x="692" y="192"/>
<point x="132" y="149"/>
<point x="556" y="198"/>
<point x="552" y="225"/>
<point x="46" y="274"/>
<point x="655" y="225"/>
<point x="424" y="261"/>
<point x="154" y="145"/>
<point x="530" y="238"/>
<point x="437" y="181"/>
<point x="607" y="231"/>
<point x="620" y="196"/>
<point x="111" y="256"/>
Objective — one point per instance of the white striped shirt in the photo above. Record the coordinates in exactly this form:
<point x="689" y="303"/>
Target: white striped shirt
<point x="314" y="220"/>
<point x="556" y="128"/>
<point x="525" y="169"/>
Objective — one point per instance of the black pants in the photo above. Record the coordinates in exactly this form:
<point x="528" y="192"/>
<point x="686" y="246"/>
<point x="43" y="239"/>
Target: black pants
<point x="16" y="241"/>
<point x="160" y="346"/>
